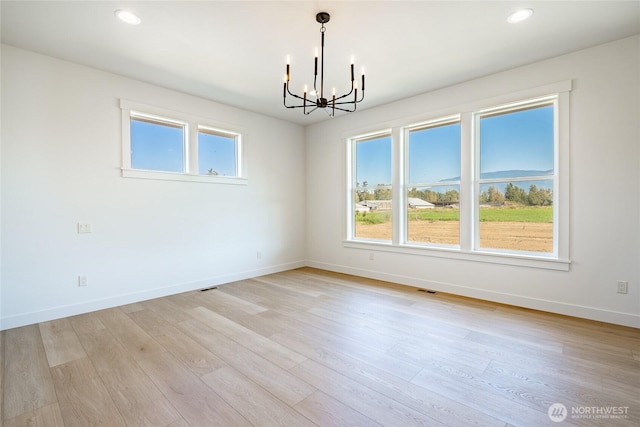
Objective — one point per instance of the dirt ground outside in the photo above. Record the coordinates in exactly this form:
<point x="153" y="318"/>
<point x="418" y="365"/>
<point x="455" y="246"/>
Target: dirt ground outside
<point x="524" y="236"/>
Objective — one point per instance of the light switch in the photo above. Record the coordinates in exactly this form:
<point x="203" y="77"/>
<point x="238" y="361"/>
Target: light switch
<point x="84" y="227"/>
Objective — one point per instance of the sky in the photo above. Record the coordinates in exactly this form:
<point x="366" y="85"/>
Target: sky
<point x="159" y="147"/>
<point x="521" y="140"/>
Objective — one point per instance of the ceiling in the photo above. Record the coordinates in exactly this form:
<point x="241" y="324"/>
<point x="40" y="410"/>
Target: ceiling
<point x="234" y="52"/>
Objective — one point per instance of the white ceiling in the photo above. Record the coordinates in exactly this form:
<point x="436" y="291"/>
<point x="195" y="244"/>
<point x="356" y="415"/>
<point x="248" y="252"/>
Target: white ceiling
<point x="234" y="52"/>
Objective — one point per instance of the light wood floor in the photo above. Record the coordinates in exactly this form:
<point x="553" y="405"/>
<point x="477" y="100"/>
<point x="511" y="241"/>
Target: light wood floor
<point x="308" y="347"/>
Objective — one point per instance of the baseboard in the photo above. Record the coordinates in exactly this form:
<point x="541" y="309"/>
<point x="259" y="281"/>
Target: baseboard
<point x="591" y="313"/>
<point x="118" y="300"/>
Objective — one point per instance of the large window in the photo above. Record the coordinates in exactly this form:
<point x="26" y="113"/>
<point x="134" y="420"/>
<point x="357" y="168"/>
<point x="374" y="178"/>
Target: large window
<point x="516" y="178"/>
<point x="487" y="183"/>
<point x="433" y="190"/>
<point x="162" y="144"/>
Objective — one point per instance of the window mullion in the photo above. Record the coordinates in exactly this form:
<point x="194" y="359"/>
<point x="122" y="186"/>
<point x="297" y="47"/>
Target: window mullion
<point x="467" y="170"/>
<point x="399" y="205"/>
<point x="191" y="149"/>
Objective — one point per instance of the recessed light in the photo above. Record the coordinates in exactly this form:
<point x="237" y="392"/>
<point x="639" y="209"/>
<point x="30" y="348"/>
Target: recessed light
<point x="519" y="16"/>
<point x="128" y="17"/>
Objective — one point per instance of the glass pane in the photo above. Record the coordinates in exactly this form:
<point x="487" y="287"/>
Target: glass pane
<point x="517" y="144"/>
<point x="517" y="215"/>
<point x="157" y="146"/>
<point x="373" y="189"/>
<point x="433" y="215"/>
<point x="216" y="154"/>
<point x="434" y="154"/>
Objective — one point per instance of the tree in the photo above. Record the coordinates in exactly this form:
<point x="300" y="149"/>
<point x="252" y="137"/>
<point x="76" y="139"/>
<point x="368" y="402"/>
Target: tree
<point x="535" y="198"/>
<point x="515" y="194"/>
<point x="491" y="195"/>
<point x="381" y="193"/>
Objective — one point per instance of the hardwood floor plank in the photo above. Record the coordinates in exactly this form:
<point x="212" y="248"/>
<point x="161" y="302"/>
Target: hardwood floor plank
<point x="132" y="308"/>
<point x="361" y="398"/>
<point x="195" y="401"/>
<point x="270" y="350"/>
<point x="270" y="376"/>
<point x="324" y="410"/>
<point x="83" y="397"/>
<point x="499" y="400"/>
<point x="179" y="423"/>
<point x="281" y="280"/>
<point x="255" y="403"/>
<point x="131" y="336"/>
<point x="27" y="380"/>
<point x="263" y="295"/>
<point x="222" y="302"/>
<point x="86" y="323"/>
<point x="561" y="364"/>
<point x="621" y="392"/>
<point x="61" y="343"/>
<point x="371" y="352"/>
<point x="571" y="395"/>
<point x="434" y="351"/>
<point x="447" y="411"/>
<point x="170" y="311"/>
<point x="135" y="395"/>
<point x="197" y="358"/>
<point x="47" y="416"/>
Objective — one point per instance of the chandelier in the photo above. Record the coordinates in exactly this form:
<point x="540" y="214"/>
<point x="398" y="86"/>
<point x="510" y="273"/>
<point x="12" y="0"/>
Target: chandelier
<point x="311" y="101"/>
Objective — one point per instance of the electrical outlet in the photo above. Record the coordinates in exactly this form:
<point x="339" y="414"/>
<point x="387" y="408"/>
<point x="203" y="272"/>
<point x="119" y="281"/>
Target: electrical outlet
<point x="83" y="280"/>
<point x="371" y="256"/>
<point x="623" y="287"/>
<point x="259" y="255"/>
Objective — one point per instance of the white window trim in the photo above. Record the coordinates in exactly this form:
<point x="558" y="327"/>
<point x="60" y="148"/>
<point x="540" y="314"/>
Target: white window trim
<point x="192" y="125"/>
<point x="558" y="260"/>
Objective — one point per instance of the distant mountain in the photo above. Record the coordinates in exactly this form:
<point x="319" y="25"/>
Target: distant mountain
<point x="507" y="174"/>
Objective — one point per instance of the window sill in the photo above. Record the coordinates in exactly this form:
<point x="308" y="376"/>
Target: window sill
<point x="174" y="176"/>
<point x="541" y="262"/>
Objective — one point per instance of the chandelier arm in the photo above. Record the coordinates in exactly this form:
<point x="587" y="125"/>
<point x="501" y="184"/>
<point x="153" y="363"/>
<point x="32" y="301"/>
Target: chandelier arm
<point x="294" y="95"/>
<point x="344" y="109"/>
<point x="345" y="95"/>
<point x="310" y="111"/>
<point x="291" y="93"/>
<point x="350" y="102"/>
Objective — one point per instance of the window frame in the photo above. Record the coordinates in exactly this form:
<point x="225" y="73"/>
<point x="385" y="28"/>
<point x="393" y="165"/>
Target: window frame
<point x="352" y="176"/>
<point x="479" y="181"/>
<point x="406" y="130"/>
<point x="192" y="125"/>
<point x="558" y="260"/>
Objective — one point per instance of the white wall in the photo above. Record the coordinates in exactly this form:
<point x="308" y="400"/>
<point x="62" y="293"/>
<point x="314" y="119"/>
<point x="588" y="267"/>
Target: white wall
<point x="61" y="154"/>
<point x="605" y="191"/>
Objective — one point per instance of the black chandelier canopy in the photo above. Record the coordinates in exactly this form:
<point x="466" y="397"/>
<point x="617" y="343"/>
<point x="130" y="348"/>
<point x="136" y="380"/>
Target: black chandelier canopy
<point x="346" y="102"/>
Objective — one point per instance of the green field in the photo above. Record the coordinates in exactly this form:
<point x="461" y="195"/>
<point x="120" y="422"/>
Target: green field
<point x="497" y="214"/>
